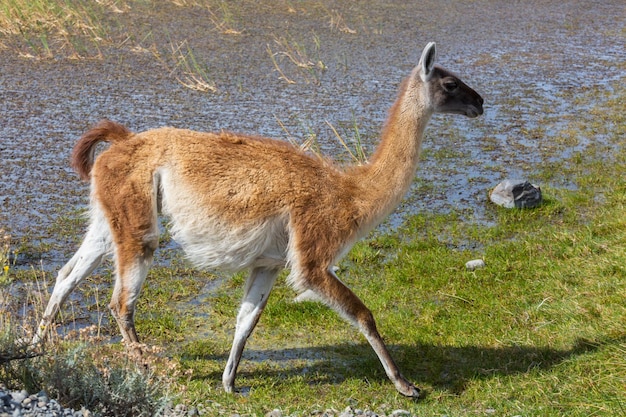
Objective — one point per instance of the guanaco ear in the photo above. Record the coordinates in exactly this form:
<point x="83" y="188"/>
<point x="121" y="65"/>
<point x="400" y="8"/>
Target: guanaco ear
<point x="427" y="61"/>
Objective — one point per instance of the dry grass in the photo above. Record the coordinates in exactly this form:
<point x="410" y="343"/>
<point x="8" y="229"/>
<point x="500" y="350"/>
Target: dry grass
<point x="43" y="28"/>
<point x="222" y="18"/>
<point x="182" y="64"/>
<point x="287" y="54"/>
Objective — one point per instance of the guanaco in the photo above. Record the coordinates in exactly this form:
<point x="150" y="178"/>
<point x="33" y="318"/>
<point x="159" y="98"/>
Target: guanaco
<point x="241" y="202"/>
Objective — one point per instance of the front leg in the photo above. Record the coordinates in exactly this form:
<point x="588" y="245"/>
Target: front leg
<point x="256" y="293"/>
<point x="334" y="293"/>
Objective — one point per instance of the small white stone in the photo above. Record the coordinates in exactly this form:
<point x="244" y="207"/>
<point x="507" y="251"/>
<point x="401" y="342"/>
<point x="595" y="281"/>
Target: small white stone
<point x="474" y="264"/>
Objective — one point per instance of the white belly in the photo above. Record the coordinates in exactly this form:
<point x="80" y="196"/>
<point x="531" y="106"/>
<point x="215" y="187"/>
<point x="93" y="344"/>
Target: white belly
<point x="212" y="242"/>
<point x="210" y="245"/>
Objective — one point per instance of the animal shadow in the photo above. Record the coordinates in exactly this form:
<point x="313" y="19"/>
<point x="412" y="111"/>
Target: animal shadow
<point x="448" y="368"/>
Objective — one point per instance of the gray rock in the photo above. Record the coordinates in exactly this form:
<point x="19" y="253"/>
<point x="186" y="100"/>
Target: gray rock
<point x="19" y="396"/>
<point x="516" y="193"/>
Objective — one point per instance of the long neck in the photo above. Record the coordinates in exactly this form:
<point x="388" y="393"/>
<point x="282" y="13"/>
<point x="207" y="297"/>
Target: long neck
<point x="387" y="177"/>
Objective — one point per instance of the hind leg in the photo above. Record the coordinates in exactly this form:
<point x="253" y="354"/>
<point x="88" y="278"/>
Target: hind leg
<point x="256" y="293"/>
<point x="96" y="244"/>
<point x="129" y="198"/>
<point x="130" y="277"/>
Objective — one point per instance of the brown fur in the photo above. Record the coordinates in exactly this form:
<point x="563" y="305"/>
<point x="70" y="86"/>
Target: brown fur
<point x="83" y="154"/>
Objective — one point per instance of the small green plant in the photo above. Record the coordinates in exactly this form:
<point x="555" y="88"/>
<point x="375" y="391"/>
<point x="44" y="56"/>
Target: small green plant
<point x="309" y="144"/>
<point x="355" y="148"/>
<point x="273" y="55"/>
<point x="5" y="257"/>
<point x="79" y="369"/>
<point x="337" y="22"/>
<point x="20" y="304"/>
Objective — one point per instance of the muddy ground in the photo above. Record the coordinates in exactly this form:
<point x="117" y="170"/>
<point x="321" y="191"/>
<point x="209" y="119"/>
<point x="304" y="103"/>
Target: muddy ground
<point x="529" y="60"/>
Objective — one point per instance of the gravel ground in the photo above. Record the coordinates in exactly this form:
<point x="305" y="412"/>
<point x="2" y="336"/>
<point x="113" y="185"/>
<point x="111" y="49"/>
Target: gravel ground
<point x="20" y="403"/>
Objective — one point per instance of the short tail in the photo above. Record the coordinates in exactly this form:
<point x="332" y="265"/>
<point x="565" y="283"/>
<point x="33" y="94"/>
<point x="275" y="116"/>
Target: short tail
<point x="83" y="154"/>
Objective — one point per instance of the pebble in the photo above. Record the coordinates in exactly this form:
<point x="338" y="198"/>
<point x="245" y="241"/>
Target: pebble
<point x="474" y="264"/>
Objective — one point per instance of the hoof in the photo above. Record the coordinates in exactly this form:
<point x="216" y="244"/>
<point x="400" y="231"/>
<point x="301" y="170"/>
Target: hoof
<point x="229" y="388"/>
<point x="409" y="390"/>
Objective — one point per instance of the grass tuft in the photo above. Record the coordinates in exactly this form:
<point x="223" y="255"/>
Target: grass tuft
<point x="223" y="19"/>
<point x="182" y="63"/>
<point x="295" y="54"/>
<point x="78" y="367"/>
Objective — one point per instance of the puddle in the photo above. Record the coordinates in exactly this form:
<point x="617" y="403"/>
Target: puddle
<point x="528" y="63"/>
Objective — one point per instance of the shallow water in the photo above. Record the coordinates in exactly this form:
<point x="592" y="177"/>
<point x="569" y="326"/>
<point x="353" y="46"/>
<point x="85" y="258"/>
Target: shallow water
<point x="528" y="60"/>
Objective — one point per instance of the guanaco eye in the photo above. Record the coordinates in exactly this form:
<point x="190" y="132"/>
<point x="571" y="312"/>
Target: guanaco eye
<point x="450" y="85"/>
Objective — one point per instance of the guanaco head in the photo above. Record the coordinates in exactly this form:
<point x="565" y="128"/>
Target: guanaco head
<point x="447" y="93"/>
